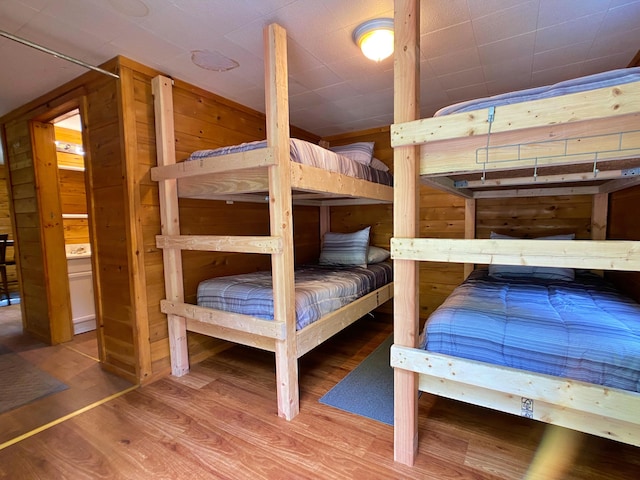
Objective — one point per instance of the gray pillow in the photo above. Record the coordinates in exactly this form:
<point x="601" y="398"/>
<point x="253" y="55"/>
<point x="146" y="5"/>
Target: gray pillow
<point x="377" y="254"/>
<point x="361" y="152"/>
<point x="379" y="165"/>
<point x="345" y="248"/>
<point x="530" y="271"/>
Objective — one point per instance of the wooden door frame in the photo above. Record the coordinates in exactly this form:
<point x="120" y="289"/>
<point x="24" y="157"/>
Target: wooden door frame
<point x="56" y="278"/>
<point x="53" y="244"/>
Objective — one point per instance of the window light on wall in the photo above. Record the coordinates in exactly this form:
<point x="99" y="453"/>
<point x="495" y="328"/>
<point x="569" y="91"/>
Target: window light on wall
<point x="375" y="38"/>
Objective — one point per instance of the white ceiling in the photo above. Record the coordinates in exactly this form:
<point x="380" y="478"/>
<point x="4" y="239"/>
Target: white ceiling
<point x="470" y="48"/>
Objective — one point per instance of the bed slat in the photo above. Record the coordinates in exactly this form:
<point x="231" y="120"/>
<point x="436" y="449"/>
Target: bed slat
<point x="586" y="407"/>
<point x="604" y="255"/>
<point x="575" y="107"/>
<point x="259" y="158"/>
<point x="233" y="321"/>
<point x="221" y="243"/>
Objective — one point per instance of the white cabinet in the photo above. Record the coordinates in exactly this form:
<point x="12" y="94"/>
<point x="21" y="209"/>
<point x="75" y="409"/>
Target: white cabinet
<point x="81" y="291"/>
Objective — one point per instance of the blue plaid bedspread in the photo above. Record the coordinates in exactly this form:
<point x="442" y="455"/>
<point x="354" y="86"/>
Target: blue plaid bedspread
<point x="319" y="291"/>
<point x="584" y="330"/>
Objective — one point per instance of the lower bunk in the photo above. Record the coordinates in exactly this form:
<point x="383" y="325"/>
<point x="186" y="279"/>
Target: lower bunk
<point x="239" y="308"/>
<point x="561" y="351"/>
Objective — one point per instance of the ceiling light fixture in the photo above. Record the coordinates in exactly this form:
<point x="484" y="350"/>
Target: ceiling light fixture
<point x="375" y="38"/>
<point x="213" y="60"/>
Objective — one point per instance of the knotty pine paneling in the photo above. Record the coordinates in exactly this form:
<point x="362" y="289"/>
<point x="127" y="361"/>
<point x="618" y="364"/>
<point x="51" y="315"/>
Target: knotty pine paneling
<point x="74" y="139"/>
<point x="108" y="207"/>
<point x="27" y="228"/>
<point x="535" y="217"/>
<point x="623" y="225"/>
<point x="5" y="222"/>
<point x="73" y="194"/>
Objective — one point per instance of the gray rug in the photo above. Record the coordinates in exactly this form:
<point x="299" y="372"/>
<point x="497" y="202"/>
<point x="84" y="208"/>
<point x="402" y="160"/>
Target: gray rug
<point x="368" y="389"/>
<point x="22" y="382"/>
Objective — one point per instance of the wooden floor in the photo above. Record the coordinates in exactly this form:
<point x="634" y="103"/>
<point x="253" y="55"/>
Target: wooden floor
<point x="74" y="363"/>
<point x="220" y="422"/>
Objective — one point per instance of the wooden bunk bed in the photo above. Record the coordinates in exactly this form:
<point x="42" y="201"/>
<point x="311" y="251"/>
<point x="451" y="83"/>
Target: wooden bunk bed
<point x="582" y="143"/>
<point x="259" y="175"/>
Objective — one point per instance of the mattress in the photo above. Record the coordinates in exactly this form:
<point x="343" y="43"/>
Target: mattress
<point x="575" y="85"/>
<point x="319" y="290"/>
<point x="583" y="330"/>
<point x="309" y="154"/>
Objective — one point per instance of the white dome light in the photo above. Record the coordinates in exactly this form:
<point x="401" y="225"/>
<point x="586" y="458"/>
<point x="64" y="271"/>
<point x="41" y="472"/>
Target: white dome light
<point x="375" y="38"/>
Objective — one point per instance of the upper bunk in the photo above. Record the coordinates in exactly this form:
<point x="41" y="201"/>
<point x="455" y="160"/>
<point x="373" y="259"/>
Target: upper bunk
<point x="576" y="137"/>
<point x="243" y="174"/>
<point x="318" y="176"/>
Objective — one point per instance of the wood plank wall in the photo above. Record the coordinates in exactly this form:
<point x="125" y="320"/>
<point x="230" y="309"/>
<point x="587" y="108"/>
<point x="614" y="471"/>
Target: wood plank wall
<point x="111" y="245"/>
<point x="5" y="221"/>
<point x="73" y="193"/>
<point x="623" y="225"/>
<point x="21" y="181"/>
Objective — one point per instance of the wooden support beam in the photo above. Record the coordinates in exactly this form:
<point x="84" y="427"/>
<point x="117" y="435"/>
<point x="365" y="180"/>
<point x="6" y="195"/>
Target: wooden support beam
<point x="605" y="255"/>
<point x="281" y="218"/>
<point x="170" y="222"/>
<point x="446" y="185"/>
<point x="312" y="335"/>
<point x="406" y="207"/>
<point x="469" y="229"/>
<point x="594" y="409"/>
<point x="542" y="179"/>
<point x="537" y="192"/>
<point x="608" y="102"/>
<point x="325" y="221"/>
<point x="221" y="243"/>
<point x="599" y="216"/>
<point x="232" y="321"/>
<point x="576" y="142"/>
<point x="259" y="158"/>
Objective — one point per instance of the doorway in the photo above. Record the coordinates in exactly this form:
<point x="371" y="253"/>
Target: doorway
<point x="75" y="218"/>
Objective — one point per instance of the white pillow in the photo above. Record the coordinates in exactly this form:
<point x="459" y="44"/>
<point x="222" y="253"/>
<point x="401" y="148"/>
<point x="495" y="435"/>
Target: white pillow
<point x="377" y="254"/>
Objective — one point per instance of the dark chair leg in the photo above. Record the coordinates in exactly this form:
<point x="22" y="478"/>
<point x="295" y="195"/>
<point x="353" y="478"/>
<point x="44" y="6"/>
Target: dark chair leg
<point x="5" y="283"/>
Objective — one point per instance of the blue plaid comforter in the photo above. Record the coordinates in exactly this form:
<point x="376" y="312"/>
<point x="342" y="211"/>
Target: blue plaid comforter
<point x="584" y="330"/>
<point x="319" y="291"/>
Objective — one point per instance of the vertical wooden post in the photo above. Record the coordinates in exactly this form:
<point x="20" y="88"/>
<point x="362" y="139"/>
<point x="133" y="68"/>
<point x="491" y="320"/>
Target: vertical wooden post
<point x="280" y="214"/>
<point x="170" y="222"/>
<point x="406" y="224"/>
<point x="599" y="212"/>
<point x="469" y="228"/>
<point x="325" y="220"/>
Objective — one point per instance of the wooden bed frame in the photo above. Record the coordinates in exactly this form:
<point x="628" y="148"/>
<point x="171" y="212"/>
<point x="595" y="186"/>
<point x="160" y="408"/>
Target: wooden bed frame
<point x="254" y="176"/>
<point x="584" y="143"/>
